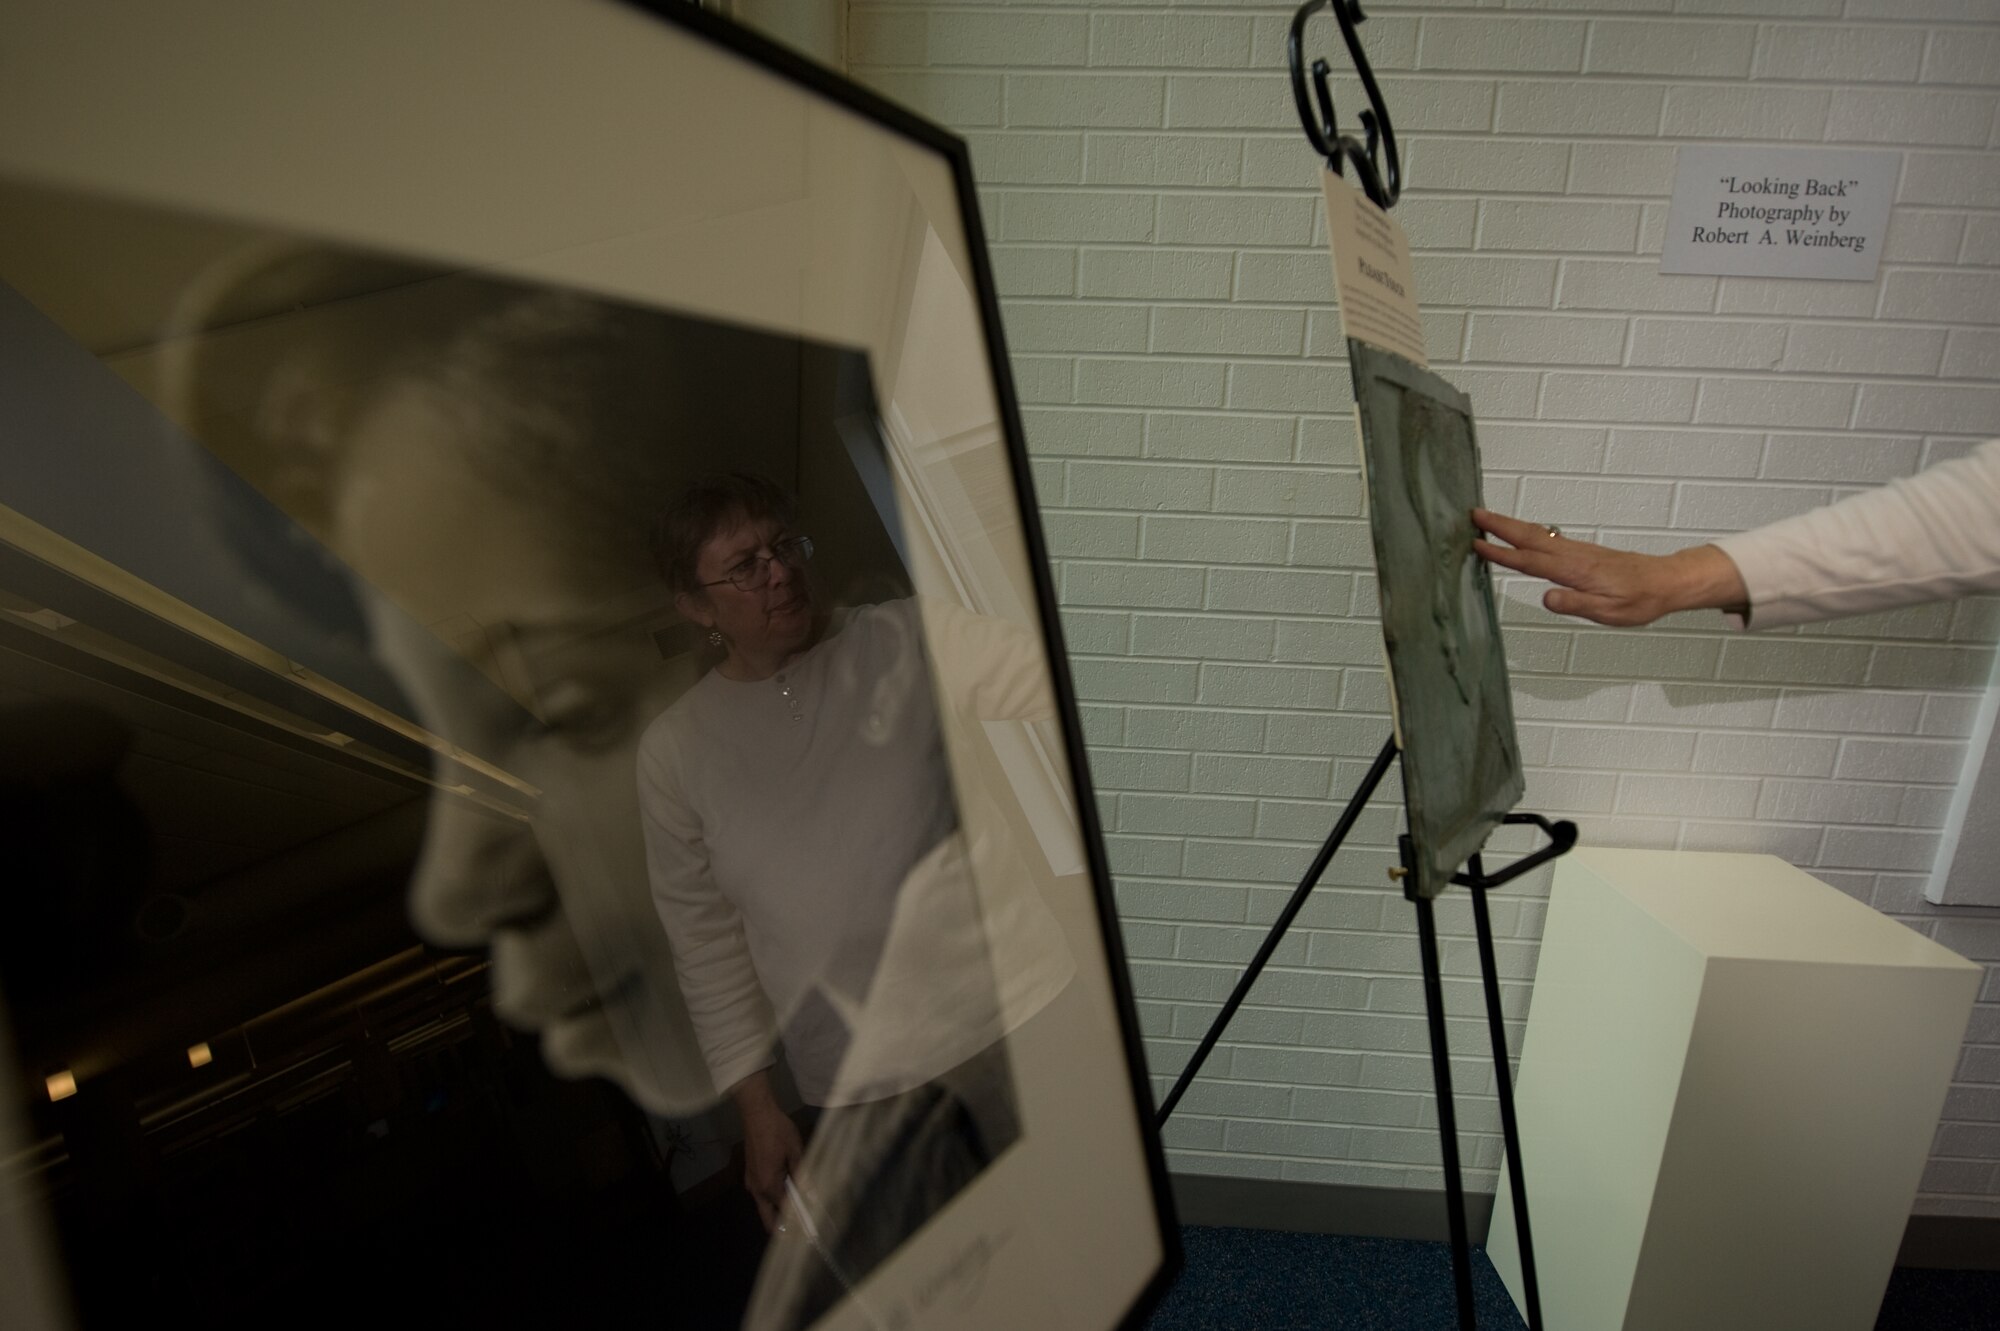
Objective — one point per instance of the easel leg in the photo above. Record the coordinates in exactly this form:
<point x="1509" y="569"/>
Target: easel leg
<point x="1454" y="1185"/>
<point x="1355" y="803"/>
<point x="1517" y="1175"/>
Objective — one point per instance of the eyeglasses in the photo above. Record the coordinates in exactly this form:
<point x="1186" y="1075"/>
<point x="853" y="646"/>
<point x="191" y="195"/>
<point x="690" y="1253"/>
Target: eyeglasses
<point x="755" y="572"/>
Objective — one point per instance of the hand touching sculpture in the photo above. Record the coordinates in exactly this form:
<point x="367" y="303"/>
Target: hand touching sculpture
<point x="1618" y="587"/>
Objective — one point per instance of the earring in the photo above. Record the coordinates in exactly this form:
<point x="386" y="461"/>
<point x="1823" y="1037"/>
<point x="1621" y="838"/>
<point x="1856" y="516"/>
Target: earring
<point x="715" y="637"/>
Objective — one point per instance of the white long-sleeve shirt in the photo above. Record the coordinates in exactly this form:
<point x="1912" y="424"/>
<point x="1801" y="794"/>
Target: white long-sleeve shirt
<point x="806" y="859"/>
<point x="1925" y="538"/>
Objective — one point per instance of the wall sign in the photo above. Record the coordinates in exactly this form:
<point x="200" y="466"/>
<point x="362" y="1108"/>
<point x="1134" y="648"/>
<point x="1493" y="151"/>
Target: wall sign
<point x="1779" y="212"/>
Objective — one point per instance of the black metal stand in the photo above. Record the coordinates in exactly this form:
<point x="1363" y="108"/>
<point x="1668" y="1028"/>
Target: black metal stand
<point x="1355" y="803"/>
<point x="1562" y="836"/>
<point x="1377" y="170"/>
<point x="1510" y="1132"/>
<point x="1454" y="1179"/>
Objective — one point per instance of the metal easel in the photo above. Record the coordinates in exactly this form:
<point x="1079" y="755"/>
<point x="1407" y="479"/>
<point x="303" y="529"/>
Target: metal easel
<point x="1378" y="171"/>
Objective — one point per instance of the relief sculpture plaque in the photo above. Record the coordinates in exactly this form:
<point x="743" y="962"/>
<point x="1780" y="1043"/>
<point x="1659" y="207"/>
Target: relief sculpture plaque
<point x="1448" y="690"/>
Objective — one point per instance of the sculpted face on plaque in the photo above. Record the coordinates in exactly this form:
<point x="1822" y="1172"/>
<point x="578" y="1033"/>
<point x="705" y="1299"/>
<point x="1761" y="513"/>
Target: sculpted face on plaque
<point x="1442" y="491"/>
<point x="1441" y="471"/>
<point x="1446" y="660"/>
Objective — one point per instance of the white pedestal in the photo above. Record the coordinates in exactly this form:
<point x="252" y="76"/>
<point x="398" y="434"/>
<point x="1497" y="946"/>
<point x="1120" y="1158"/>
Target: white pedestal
<point x="1730" y="1082"/>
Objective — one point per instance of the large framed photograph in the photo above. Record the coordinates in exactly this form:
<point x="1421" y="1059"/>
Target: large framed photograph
<point x="534" y="716"/>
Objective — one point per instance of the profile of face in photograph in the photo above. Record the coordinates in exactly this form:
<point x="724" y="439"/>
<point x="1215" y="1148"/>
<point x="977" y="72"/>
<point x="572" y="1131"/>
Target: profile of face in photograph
<point x="540" y="483"/>
<point x="568" y="525"/>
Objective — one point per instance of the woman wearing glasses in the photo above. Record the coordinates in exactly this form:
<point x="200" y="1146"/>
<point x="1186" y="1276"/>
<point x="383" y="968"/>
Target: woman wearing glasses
<point x="801" y="843"/>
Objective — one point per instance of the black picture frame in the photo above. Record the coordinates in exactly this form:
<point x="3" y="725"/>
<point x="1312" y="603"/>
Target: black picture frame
<point x="180" y="642"/>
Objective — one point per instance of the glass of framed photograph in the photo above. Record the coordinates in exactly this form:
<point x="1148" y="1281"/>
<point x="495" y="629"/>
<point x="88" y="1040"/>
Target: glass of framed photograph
<point x="531" y="698"/>
<point x="1448" y="691"/>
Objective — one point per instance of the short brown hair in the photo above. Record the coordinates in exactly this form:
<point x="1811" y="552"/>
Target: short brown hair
<point x="705" y="508"/>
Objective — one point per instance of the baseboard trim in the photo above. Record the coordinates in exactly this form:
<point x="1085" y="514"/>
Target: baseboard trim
<point x="1944" y="1242"/>
<point x="1324" y="1208"/>
<point x="1951" y="1243"/>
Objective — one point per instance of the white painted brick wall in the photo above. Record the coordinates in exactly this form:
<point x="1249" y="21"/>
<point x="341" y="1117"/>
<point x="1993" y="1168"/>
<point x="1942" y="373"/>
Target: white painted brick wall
<point x="1156" y="226"/>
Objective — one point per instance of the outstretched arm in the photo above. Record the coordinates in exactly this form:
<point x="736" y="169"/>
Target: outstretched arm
<point x="1608" y="586"/>
<point x="1927" y="537"/>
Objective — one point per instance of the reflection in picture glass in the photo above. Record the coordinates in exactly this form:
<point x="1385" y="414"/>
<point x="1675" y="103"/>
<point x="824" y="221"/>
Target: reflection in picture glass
<point x="612" y="667"/>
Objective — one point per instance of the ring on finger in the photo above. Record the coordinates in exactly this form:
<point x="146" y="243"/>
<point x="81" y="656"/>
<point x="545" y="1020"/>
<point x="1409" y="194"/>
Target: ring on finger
<point x="1553" y="531"/>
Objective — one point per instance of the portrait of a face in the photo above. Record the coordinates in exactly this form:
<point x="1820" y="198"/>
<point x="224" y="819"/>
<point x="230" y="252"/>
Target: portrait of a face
<point x="688" y="794"/>
<point x="1447" y="666"/>
<point x="535" y="697"/>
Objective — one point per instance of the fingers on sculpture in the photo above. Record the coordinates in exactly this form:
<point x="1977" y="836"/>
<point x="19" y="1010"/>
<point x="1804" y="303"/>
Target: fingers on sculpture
<point x="1622" y="588"/>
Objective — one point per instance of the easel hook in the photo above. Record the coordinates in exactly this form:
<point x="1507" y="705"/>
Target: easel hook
<point x="1376" y="165"/>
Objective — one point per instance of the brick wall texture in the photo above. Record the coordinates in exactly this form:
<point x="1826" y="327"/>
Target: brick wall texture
<point x="1157" y="232"/>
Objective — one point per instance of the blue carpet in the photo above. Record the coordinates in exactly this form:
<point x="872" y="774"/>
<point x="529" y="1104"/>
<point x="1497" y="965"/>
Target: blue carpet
<point x="1921" y="1300"/>
<point x="1268" y="1280"/>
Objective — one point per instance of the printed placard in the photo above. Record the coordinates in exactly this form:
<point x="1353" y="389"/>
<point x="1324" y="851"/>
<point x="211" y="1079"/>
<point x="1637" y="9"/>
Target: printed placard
<point x="1371" y="272"/>
<point x="1779" y="212"/>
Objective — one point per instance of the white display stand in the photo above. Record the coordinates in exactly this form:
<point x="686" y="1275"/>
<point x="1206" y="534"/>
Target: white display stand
<point x="1730" y="1082"/>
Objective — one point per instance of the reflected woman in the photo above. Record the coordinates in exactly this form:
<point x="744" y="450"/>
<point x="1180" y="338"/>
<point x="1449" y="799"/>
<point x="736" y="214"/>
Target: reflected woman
<point x="799" y="816"/>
